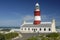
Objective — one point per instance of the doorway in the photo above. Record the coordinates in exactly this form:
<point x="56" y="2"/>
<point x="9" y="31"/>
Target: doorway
<point x="34" y="30"/>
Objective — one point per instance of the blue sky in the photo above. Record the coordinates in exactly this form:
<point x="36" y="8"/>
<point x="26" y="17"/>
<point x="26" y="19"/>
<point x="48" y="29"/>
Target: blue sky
<point x="13" y="12"/>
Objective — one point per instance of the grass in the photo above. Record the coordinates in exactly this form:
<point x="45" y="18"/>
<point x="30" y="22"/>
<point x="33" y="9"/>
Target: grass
<point x="50" y="36"/>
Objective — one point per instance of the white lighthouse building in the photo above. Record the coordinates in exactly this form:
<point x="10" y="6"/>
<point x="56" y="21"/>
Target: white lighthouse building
<point x="37" y="25"/>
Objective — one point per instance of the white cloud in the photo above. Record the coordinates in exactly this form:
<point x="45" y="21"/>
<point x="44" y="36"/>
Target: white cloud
<point x="31" y="18"/>
<point x="28" y="17"/>
<point x="44" y="17"/>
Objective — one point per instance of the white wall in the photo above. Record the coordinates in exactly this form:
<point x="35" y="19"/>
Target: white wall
<point x="38" y="29"/>
<point x="53" y="26"/>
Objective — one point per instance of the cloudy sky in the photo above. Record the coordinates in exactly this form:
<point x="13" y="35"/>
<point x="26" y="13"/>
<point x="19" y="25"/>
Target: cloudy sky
<point x="13" y="12"/>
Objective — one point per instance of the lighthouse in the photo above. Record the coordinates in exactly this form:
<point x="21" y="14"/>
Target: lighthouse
<point x="37" y="17"/>
<point x="37" y="25"/>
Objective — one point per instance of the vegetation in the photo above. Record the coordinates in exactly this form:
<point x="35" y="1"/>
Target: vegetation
<point x="33" y="38"/>
<point x="8" y="36"/>
<point x="5" y="30"/>
<point x="2" y="37"/>
<point x="51" y="36"/>
<point x="11" y="35"/>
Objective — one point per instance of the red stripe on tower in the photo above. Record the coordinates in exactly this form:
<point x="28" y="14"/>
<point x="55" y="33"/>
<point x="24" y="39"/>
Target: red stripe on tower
<point x="37" y="17"/>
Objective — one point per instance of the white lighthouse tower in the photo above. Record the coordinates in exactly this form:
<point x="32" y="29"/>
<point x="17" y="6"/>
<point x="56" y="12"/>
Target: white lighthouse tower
<point x="37" y="17"/>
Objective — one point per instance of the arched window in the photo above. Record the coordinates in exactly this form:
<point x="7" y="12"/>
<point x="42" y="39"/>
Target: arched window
<point x="40" y="29"/>
<point x="44" y="29"/>
<point x="49" y="29"/>
<point x="32" y="29"/>
<point x="25" y="28"/>
<point x="36" y="29"/>
<point x="28" y="28"/>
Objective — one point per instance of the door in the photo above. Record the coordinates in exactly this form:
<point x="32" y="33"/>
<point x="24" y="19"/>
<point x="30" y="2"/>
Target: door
<point x="34" y="30"/>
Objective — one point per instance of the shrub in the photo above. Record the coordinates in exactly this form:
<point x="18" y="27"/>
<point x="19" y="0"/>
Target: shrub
<point x="2" y="37"/>
<point x="52" y="35"/>
<point x="11" y="35"/>
<point x="33" y="38"/>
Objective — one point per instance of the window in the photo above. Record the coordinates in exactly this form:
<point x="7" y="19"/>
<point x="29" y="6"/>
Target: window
<point x="44" y="29"/>
<point x="49" y="29"/>
<point x="32" y="29"/>
<point x="37" y="7"/>
<point x="28" y="28"/>
<point x="25" y="28"/>
<point x="40" y="29"/>
<point x="36" y="29"/>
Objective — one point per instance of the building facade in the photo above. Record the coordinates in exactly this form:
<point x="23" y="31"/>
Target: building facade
<point x="37" y="26"/>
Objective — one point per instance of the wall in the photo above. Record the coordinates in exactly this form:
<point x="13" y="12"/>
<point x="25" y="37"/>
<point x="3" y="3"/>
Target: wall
<point x="36" y="31"/>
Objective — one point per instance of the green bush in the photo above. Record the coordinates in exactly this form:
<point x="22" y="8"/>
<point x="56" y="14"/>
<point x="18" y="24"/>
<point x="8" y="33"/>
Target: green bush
<point x="33" y="38"/>
<point x="8" y="36"/>
<point x="2" y="37"/>
<point x="11" y="35"/>
<point x="52" y="35"/>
